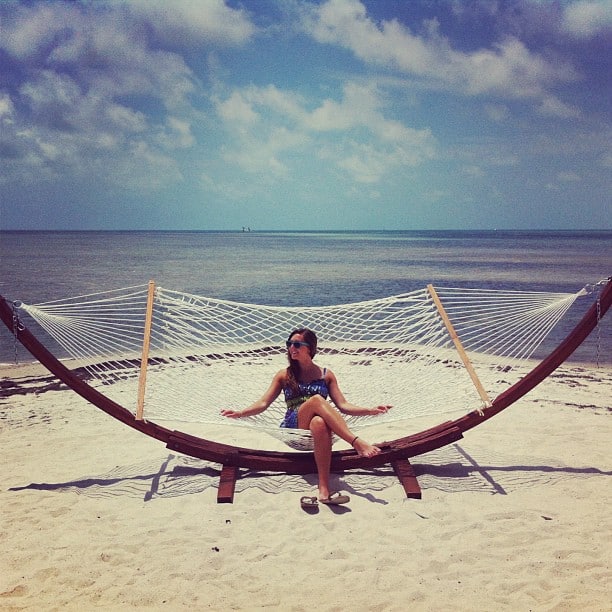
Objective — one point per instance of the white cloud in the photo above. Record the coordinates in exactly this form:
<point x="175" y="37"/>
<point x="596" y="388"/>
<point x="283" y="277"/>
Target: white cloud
<point x="345" y="22"/>
<point x="257" y="158"/>
<point x="285" y="103"/>
<point x="80" y="65"/>
<point x="365" y="165"/>
<point x="508" y="68"/>
<point x="436" y="195"/>
<point x="473" y="171"/>
<point x="352" y="133"/>
<point x="236" y="109"/>
<point x="587" y="18"/>
<point x="260" y="150"/>
<point x="183" y="129"/>
<point x="177" y="134"/>
<point x="87" y="139"/>
<point x="497" y="112"/>
<point x="7" y="108"/>
<point x="26" y="30"/>
<point x="102" y="51"/>
<point x="553" y="107"/>
<point x="500" y="160"/>
<point x="361" y="107"/>
<point x="193" y="22"/>
<point x="569" y="177"/>
<point x="125" y="118"/>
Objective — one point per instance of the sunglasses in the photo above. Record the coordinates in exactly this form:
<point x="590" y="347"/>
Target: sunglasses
<point x="295" y="344"/>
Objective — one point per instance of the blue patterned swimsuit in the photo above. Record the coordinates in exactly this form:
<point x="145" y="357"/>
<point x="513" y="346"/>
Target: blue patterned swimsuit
<point x="294" y="399"/>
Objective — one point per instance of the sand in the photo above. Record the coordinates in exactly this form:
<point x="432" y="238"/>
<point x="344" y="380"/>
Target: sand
<point x="516" y="516"/>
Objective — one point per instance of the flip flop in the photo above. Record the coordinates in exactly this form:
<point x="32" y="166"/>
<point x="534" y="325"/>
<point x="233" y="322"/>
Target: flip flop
<point x="309" y="503"/>
<point x="335" y="499"/>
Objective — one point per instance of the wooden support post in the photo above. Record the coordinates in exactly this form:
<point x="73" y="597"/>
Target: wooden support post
<point x="455" y="338"/>
<point x="144" y="361"/>
<point x="227" y="484"/>
<point x="405" y="472"/>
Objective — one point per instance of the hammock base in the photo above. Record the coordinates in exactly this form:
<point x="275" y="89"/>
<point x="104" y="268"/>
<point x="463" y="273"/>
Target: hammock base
<point x="402" y="468"/>
<point x="395" y="452"/>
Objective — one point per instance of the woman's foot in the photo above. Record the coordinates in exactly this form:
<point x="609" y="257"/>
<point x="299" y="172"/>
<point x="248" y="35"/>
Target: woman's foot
<point x="335" y="499"/>
<point x="364" y="449"/>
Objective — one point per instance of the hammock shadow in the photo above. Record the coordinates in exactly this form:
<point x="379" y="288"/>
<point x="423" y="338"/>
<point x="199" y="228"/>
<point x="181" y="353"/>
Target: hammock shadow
<point x="137" y="480"/>
<point x="451" y="470"/>
<point x="496" y="478"/>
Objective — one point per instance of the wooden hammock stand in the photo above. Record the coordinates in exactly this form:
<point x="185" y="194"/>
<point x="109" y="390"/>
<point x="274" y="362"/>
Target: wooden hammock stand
<point x="396" y="452"/>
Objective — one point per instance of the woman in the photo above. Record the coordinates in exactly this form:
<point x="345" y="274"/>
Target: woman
<point x="306" y="387"/>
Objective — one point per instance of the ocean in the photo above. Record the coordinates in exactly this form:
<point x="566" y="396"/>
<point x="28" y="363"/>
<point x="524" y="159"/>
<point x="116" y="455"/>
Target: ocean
<point x="302" y="268"/>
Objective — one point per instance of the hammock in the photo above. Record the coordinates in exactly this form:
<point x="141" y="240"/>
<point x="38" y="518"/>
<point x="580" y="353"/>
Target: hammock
<point x="171" y="356"/>
<point x="185" y="357"/>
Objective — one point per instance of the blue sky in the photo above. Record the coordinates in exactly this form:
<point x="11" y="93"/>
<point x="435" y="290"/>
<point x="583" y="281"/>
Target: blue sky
<point x="285" y="114"/>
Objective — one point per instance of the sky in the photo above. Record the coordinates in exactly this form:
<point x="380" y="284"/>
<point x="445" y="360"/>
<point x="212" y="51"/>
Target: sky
<point x="306" y="115"/>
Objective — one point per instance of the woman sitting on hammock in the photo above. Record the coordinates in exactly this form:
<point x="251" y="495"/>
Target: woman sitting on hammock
<point x="306" y="387"/>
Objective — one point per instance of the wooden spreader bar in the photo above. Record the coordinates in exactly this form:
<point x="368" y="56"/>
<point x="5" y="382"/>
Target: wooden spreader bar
<point x="146" y="344"/>
<point x="484" y="396"/>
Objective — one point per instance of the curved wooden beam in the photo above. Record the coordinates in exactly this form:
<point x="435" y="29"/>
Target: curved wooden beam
<point x="293" y="462"/>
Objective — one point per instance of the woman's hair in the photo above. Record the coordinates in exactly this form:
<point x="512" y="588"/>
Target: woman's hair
<point x="293" y="371"/>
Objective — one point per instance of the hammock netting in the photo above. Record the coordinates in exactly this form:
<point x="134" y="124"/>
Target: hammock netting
<point x="208" y="354"/>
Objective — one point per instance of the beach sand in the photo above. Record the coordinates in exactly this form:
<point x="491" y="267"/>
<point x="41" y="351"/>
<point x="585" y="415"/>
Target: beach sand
<point x="515" y="516"/>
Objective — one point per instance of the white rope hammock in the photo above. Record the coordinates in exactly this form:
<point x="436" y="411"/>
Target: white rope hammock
<point x="207" y="354"/>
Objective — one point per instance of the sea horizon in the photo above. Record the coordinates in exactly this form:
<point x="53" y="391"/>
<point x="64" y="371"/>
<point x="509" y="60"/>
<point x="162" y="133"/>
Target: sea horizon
<point x="313" y="230"/>
<point x="301" y="267"/>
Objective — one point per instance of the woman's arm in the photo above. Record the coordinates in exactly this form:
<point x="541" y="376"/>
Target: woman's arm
<point x="263" y="402"/>
<point x="343" y="404"/>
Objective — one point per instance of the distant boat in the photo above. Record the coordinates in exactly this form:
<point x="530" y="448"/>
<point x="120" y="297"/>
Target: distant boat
<point x="246" y="229"/>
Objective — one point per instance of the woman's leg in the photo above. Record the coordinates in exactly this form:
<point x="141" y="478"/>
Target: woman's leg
<point x="322" y="437"/>
<point x="317" y="406"/>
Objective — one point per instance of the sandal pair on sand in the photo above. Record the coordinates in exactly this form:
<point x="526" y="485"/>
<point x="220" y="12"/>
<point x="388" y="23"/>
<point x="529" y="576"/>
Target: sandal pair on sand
<point x="334" y="499"/>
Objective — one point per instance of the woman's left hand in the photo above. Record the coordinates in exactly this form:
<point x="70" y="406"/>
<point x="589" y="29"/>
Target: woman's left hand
<point x="232" y="414"/>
